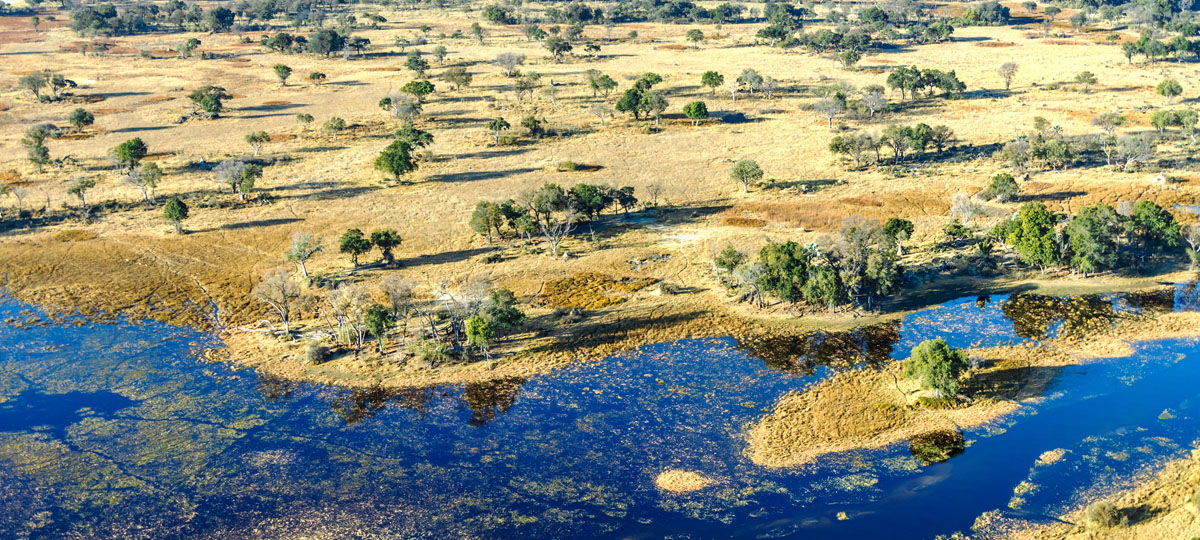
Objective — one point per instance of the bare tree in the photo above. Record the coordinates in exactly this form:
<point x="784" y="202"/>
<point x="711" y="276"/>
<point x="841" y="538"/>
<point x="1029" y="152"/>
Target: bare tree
<point x="399" y="292"/>
<point x="1134" y="150"/>
<point x="829" y="107"/>
<point x="654" y="190"/>
<point x="1007" y="71"/>
<point x="874" y="101"/>
<point x="557" y="229"/>
<point x="278" y="290"/>
<point x="965" y="208"/>
<point x="509" y="62"/>
<point x="348" y="304"/>
<point x="602" y="112"/>
<point x="769" y="86"/>
<point x="304" y="246"/>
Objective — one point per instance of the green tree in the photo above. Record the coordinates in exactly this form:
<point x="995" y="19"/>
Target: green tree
<point x="439" y="54"/>
<point x="746" y="172"/>
<point x="354" y="243"/>
<point x="283" y="72"/>
<point x="898" y="230"/>
<point x="175" y="211"/>
<point x="1033" y="236"/>
<point x="602" y="83"/>
<point x="145" y="179"/>
<point x="79" y="188"/>
<point x="480" y="333"/>
<point x="316" y="77"/>
<point x="256" y="140"/>
<point x="129" y="153"/>
<point x="500" y="309"/>
<point x="379" y="320"/>
<point x="333" y="126"/>
<point x="936" y="366"/>
<point x="1092" y="235"/>
<point x="496" y="125"/>
<point x="416" y="63"/>
<point x="210" y="99"/>
<point x="35" y="145"/>
<point x="386" y="240"/>
<point x="695" y="36"/>
<point x="458" y="77"/>
<point x="81" y="118"/>
<point x="713" y="80"/>
<point x="696" y="111"/>
<point x="1169" y="88"/>
<point x="419" y="89"/>
<point x="397" y="159"/>
<point x="487" y="218"/>
<point x="1003" y="188"/>
<point x="1152" y="229"/>
<point x="557" y="46"/>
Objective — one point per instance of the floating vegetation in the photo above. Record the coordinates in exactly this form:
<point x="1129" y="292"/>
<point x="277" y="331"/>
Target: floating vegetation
<point x="937" y="446"/>
<point x="589" y="290"/>
<point x="681" y="481"/>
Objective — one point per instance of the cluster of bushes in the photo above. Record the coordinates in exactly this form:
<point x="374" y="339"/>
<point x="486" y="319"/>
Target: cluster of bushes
<point x="642" y="99"/>
<point x="1152" y="49"/>
<point x="989" y="13"/>
<point x="1044" y="147"/>
<point x="355" y="243"/>
<point x="1095" y="239"/>
<point x="857" y="267"/>
<point x="865" y="148"/>
<point x="549" y="210"/>
<point x="45" y="80"/>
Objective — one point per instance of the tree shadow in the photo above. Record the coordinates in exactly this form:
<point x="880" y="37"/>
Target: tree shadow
<point x="474" y="176"/>
<point x="250" y="224"/>
<point x="444" y="257"/>
<point x="140" y="129"/>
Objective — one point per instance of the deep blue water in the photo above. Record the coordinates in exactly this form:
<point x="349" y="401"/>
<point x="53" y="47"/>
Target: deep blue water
<point x="117" y="431"/>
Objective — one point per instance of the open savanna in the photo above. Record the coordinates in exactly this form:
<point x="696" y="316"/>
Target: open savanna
<point x="130" y="260"/>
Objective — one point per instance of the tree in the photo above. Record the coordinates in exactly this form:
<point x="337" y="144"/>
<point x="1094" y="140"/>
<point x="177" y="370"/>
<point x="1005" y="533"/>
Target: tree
<point x="256" y="140"/>
<point x="354" y="243"/>
<point x="81" y="118"/>
<point x="219" y="19"/>
<point x="1092" y="235"/>
<point x="936" y="366"/>
<point x="378" y="320"/>
<point x="210" y="99"/>
<point x="898" y="230"/>
<point x="419" y="89"/>
<point x="509" y="62"/>
<point x="829" y="107"/>
<point x="1003" y="188"/>
<point x="129" y="153"/>
<point x="1033" y="236"/>
<point x="386" y="240"/>
<point x="712" y="80"/>
<point x="602" y="83"/>
<point x="316" y="77"/>
<point x="1087" y="79"/>
<point x="278" y="290"/>
<point x="35" y="145"/>
<point x="557" y="46"/>
<point x="34" y="82"/>
<point x="480" y="333"/>
<point x="1051" y="12"/>
<point x="1169" y="88"/>
<point x="849" y="58"/>
<point x="557" y="228"/>
<point x="696" y="111"/>
<point x="487" y="218"/>
<point x="746" y="172"/>
<point x="79" y="188"/>
<point x="458" y="77"/>
<point x="326" y="41"/>
<point x="695" y="36"/>
<point x="145" y="179"/>
<point x="283" y="72"/>
<point x="303" y="247"/>
<point x="477" y="31"/>
<point x="1151" y="228"/>
<point x="1007" y="71"/>
<point x="439" y="54"/>
<point x="653" y="102"/>
<point x="333" y="126"/>
<point x="500" y="309"/>
<point x="175" y="211"/>
<point x="496" y="125"/>
<point x="397" y="159"/>
<point x="416" y="63"/>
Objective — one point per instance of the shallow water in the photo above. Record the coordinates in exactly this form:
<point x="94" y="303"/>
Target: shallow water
<point x="117" y="431"/>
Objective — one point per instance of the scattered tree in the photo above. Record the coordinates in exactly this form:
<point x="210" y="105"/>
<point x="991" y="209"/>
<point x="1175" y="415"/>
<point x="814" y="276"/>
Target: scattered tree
<point x="175" y="211"/>
<point x="278" y="291"/>
<point x="746" y="172"/>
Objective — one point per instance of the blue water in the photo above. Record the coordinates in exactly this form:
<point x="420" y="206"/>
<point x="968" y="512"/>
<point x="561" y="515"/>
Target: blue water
<point x="118" y="431"/>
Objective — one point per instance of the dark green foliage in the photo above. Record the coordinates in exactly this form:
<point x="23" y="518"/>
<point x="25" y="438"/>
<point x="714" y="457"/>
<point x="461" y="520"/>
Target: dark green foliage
<point x="354" y="243"/>
<point x="696" y="111"/>
<point x="729" y="258"/>
<point x="397" y="159"/>
<point x="1002" y="189"/>
<point x="325" y="41"/>
<point x="129" y="153"/>
<point x="487" y="218"/>
<point x="386" y="240"/>
<point x="81" y="118"/>
<point x="500" y="309"/>
<point x="1033" y="236"/>
<point x="379" y="320"/>
<point x="418" y="88"/>
<point x="210" y="99"/>
<point x="1092" y="235"/>
<point x="937" y="446"/>
<point x="936" y="366"/>
<point x="175" y="211"/>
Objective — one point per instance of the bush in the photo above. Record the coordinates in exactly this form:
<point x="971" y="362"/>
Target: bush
<point x="1102" y="515"/>
<point x="316" y="353"/>
<point x="937" y="446"/>
<point x="1003" y="188"/>
<point x="567" y="166"/>
<point x="507" y="140"/>
<point x="431" y="351"/>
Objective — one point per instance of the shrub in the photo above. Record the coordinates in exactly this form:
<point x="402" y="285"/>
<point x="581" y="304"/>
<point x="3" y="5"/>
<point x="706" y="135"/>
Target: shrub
<point x="567" y="166"/>
<point x="430" y="351"/>
<point x="937" y="446"/>
<point x="1102" y="515"/>
<point x="936" y="365"/>
<point x="316" y="353"/>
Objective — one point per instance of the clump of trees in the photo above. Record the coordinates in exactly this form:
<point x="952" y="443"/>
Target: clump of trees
<point x="550" y="211"/>
<point x="1095" y="239"/>
<point x="910" y="80"/>
<point x="936" y="366"/>
<point x="855" y="268"/>
<point x="642" y="99"/>
<point x="903" y="141"/>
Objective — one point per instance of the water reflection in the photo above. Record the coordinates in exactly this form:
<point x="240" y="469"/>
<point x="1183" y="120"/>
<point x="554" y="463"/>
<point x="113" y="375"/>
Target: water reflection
<point x="485" y="399"/>
<point x="805" y="355"/>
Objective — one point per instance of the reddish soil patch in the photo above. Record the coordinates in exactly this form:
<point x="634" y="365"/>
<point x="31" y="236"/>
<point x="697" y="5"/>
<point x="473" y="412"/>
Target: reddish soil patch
<point x="1038" y="186"/>
<point x="737" y="221"/>
<point x="237" y="96"/>
<point x="238" y="60"/>
<point x="882" y="61"/>
<point x="276" y="103"/>
<point x="280" y="137"/>
<point x="111" y="110"/>
<point x="10" y="177"/>
<point x="157" y="99"/>
<point x="4" y="106"/>
<point x="155" y="156"/>
<point x="88" y="98"/>
<point x="383" y="69"/>
<point x="876" y="71"/>
<point x="672" y="47"/>
<point x="995" y="44"/>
